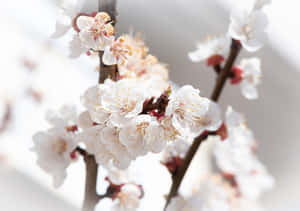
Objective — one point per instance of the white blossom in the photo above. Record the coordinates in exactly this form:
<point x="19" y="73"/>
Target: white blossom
<point x="65" y="117"/>
<point x="128" y="199"/>
<point x="54" y="148"/>
<point x="117" y="53"/>
<point x="249" y="27"/>
<point x="192" y="113"/>
<point x="92" y="101"/>
<point x="212" y="46"/>
<point x="143" y="134"/>
<point x="211" y="195"/>
<point x="95" y="32"/>
<point x="251" y="76"/>
<point x="177" y="148"/>
<point x="235" y="156"/>
<point x="177" y="203"/>
<point x="84" y="120"/>
<point x="67" y="11"/>
<point x="117" y="176"/>
<point x="123" y="99"/>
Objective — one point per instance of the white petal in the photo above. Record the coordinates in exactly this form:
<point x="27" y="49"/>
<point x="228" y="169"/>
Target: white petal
<point x="84" y="22"/>
<point x="76" y="47"/>
<point x="108" y="57"/>
<point x="249" y="91"/>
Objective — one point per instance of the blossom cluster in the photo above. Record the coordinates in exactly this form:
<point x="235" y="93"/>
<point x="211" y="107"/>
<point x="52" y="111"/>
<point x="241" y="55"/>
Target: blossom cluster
<point x="123" y="192"/>
<point x="128" y="118"/>
<point x="121" y="126"/>
<point x="248" y="28"/>
<point x="142" y="113"/>
<point x="213" y="193"/>
<point x="236" y="158"/>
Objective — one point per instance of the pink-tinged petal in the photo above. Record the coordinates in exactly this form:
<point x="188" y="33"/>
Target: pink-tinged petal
<point x="84" y="22"/>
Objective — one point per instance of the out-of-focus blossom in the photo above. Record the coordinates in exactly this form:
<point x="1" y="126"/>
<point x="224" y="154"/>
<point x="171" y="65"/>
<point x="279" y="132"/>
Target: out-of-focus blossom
<point x="236" y="158"/>
<point x="248" y="75"/>
<point x="249" y="27"/>
<point x="55" y="147"/>
<point x="67" y="12"/>
<point x="128" y="199"/>
<point x="259" y="4"/>
<point x="214" y="50"/>
<point x="251" y="77"/>
<point x="174" y="154"/>
<point x="211" y="195"/>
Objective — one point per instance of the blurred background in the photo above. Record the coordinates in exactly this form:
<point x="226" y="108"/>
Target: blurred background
<point x="36" y="74"/>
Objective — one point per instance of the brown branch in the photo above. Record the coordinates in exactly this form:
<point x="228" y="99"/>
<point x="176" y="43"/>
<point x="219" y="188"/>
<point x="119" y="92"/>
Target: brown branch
<point x="107" y="71"/>
<point x="91" y="198"/>
<point x="222" y="77"/>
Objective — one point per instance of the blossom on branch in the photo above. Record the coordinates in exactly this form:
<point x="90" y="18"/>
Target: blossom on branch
<point x="95" y="32"/>
<point x="213" y="50"/>
<point x="249" y="27"/>
<point x="248" y="74"/>
<point x="213" y="194"/>
<point x="191" y="113"/>
<point x="236" y="158"/>
<point x="118" y="52"/>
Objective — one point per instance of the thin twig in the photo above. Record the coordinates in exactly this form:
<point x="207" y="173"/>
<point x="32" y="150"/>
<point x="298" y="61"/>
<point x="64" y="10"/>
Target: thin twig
<point x="222" y="77"/>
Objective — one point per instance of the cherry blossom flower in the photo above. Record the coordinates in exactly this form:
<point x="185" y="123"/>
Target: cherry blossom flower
<point x="133" y="134"/>
<point x="249" y="27"/>
<point x="85" y="121"/>
<point x="146" y="69"/>
<point x="123" y="99"/>
<point x="68" y="10"/>
<point x="95" y="32"/>
<point x="174" y="154"/>
<point x="65" y="117"/>
<point x="118" y="52"/>
<point x="128" y="199"/>
<point x="211" y="195"/>
<point x="191" y="113"/>
<point x="213" y="50"/>
<point x="138" y="46"/>
<point x="251" y="75"/>
<point x="235" y="157"/>
<point x="54" y="148"/>
<point x="92" y="101"/>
